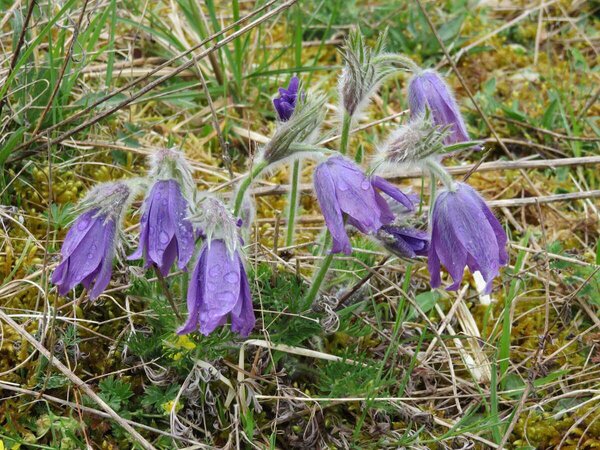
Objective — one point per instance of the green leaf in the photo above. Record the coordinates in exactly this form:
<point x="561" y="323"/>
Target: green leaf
<point x="426" y="301"/>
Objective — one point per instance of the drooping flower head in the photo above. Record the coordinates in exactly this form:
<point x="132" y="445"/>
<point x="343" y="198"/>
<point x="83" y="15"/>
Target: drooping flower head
<point x="166" y="233"/>
<point x="342" y="188"/>
<point x="286" y="102"/>
<point x="404" y="241"/>
<point x="364" y="70"/>
<point x="219" y="288"/>
<point x="465" y="233"/>
<point x="427" y="89"/>
<point x="89" y="247"/>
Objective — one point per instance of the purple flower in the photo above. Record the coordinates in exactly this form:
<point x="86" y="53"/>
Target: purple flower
<point x="87" y="254"/>
<point x="218" y="287"/>
<point x="342" y="188"/>
<point x="428" y="89"/>
<point x="286" y="102"/>
<point x="465" y="233"/>
<point x="404" y="241"/>
<point x="165" y="232"/>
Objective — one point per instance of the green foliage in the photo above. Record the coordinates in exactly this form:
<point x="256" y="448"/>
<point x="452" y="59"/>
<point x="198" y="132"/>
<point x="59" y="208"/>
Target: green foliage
<point x="115" y="392"/>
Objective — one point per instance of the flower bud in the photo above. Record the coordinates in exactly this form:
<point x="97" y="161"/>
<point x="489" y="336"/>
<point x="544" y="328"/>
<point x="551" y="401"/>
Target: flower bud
<point x="427" y="89"/>
<point x="299" y="132"/>
<point x="286" y="102"/>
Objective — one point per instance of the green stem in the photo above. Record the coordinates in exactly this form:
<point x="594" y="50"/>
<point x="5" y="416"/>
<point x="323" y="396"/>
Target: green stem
<point x="345" y="133"/>
<point x="247" y="181"/>
<point x="293" y="203"/>
<point x="318" y="279"/>
<point x="438" y="171"/>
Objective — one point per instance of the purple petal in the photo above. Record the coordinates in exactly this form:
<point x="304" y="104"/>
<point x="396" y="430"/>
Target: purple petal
<point x="325" y="191"/>
<point x="429" y="89"/>
<point x="84" y="258"/>
<point x="78" y="231"/>
<point x="221" y="285"/>
<point x="391" y="190"/>
<point x="161" y="227"/>
<point x="474" y="232"/>
<point x="355" y="194"/>
<point x="195" y="294"/>
<point x="143" y="244"/>
<point x="445" y="244"/>
<point x="244" y="321"/>
<point x="184" y="231"/>
<point x="103" y="277"/>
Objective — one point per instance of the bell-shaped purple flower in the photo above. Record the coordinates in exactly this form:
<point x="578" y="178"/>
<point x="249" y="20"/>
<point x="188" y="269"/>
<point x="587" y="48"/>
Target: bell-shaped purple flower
<point x="218" y="288"/>
<point x="343" y="188"/>
<point x="404" y="241"/>
<point x="87" y="254"/>
<point x="286" y="102"/>
<point x="465" y="233"/>
<point x="428" y="89"/>
<point x="165" y="231"/>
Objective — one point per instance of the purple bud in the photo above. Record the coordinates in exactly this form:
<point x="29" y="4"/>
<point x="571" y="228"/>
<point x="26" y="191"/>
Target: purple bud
<point x="404" y="241"/>
<point x="165" y="231"/>
<point x="343" y="188"/>
<point x="465" y="233"/>
<point x="285" y="104"/>
<point x="218" y="288"/>
<point x="87" y="254"/>
<point x="428" y="89"/>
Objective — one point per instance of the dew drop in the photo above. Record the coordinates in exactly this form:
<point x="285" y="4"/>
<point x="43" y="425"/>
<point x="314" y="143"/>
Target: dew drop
<point x="342" y="186"/>
<point x="82" y="225"/>
<point x="215" y="271"/>
<point x="164" y="237"/>
<point x="365" y="185"/>
<point x="232" y="277"/>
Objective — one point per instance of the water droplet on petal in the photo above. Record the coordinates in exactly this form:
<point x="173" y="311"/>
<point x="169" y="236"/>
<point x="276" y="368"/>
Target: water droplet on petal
<point x="342" y="186"/>
<point x="232" y="277"/>
<point x="365" y="185"/>
<point x="163" y="238"/>
<point x="82" y="225"/>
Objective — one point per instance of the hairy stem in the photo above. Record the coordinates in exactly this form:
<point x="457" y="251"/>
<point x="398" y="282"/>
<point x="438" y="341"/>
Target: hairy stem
<point x="345" y="133"/>
<point x="318" y="279"/>
<point x="438" y="171"/>
<point x="293" y="203"/>
<point x="165" y="288"/>
<point x="246" y="182"/>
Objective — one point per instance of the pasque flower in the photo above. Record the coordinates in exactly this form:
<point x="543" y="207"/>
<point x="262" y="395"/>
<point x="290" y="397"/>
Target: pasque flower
<point x="403" y="240"/>
<point x="465" y="233"/>
<point x="343" y="188"/>
<point x="286" y="102"/>
<point x="89" y="247"/>
<point x="165" y="231"/>
<point x="219" y="288"/>
<point x="427" y="89"/>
